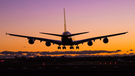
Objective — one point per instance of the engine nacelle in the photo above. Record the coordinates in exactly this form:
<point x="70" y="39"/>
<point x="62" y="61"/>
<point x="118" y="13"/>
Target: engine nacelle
<point x="90" y="43"/>
<point x="48" y="43"/>
<point x="31" y="41"/>
<point x="105" y="40"/>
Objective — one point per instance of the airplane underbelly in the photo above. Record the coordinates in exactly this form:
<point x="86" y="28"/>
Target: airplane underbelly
<point x="67" y="41"/>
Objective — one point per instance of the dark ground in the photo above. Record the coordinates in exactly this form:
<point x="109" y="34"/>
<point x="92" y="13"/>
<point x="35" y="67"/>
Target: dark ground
<point x="88" y="66"/>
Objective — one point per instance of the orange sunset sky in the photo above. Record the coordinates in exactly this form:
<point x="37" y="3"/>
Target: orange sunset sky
<point x="99" y="17"/>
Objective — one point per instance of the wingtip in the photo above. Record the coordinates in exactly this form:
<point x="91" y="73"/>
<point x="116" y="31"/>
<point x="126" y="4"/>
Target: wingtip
<point x="41" y="32"/>
<point x="126" y="32"/>
<point x="87" y="32"/>
<point x="6" y="33"/>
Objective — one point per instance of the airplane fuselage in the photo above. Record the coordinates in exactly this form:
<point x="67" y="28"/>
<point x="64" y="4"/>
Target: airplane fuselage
<point x="67" y="40"/>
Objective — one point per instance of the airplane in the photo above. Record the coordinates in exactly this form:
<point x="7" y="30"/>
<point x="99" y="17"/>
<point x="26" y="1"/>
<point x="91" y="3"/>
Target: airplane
<point x="66" y="38"/>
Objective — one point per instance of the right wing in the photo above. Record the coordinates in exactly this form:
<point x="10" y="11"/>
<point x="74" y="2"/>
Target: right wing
<point x="37" y="38"/>
<point x="99" y="37"/>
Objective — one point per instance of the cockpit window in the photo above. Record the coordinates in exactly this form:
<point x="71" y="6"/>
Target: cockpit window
<point x="66" y="33"/>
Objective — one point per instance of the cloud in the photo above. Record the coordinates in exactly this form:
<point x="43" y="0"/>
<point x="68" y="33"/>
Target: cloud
<point x="80" y="52"/>
<point x="131" y="54"/>
<point x="131" y="50"/>
<point x="118" y="50"/>
<point x="25" y="47"/>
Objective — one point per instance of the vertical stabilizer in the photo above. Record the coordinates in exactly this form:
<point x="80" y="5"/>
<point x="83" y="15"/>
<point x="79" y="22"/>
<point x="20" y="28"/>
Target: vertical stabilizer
<point x="64" y="21"/>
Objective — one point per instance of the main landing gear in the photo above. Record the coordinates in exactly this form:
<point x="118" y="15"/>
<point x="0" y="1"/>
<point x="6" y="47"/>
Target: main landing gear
<point x="77" y="47"/>
<point x="71" y="47"/>
<point x="62" y="47"/>
<point x="59" y="47"/>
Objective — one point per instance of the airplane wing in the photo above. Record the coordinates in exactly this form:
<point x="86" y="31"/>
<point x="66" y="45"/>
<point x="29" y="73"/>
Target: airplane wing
<point x="37" y="38"/>
<point x="94" y="38"/>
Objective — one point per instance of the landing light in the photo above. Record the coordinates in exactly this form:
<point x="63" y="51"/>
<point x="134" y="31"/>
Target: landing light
<point x="1" y="60"/>
<point x="110" y="63"/>
<point x="43" y="63"/>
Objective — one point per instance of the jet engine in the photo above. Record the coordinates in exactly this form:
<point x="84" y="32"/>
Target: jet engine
<point x="31" y="41"/>
<point x="90" y="43"/>
<point x="105" y="40"/>
<point x="47" y="43"/>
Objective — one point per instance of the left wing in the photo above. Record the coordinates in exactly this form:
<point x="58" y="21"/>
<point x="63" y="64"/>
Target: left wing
<point x="94" y="38"/>
<point x="37" y="38"/>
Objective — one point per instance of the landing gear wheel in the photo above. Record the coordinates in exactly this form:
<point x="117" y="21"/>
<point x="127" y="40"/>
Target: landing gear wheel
<point x="77" y="47"/>
<point x="64" y="47"/>
<point x="59" y="47"/>
<point x="71" y="47"/>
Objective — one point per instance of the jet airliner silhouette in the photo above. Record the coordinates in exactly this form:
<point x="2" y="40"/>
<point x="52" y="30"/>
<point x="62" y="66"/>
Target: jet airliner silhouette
<point x="66" y="38"/>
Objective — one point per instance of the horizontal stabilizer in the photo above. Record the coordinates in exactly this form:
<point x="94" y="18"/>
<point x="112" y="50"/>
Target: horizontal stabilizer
<point x="77" y="34"/>
<point x="51" y="34"/>
<point x="64" y="35"/>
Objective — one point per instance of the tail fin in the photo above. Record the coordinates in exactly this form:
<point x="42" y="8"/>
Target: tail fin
<point x="64" y="20"/>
